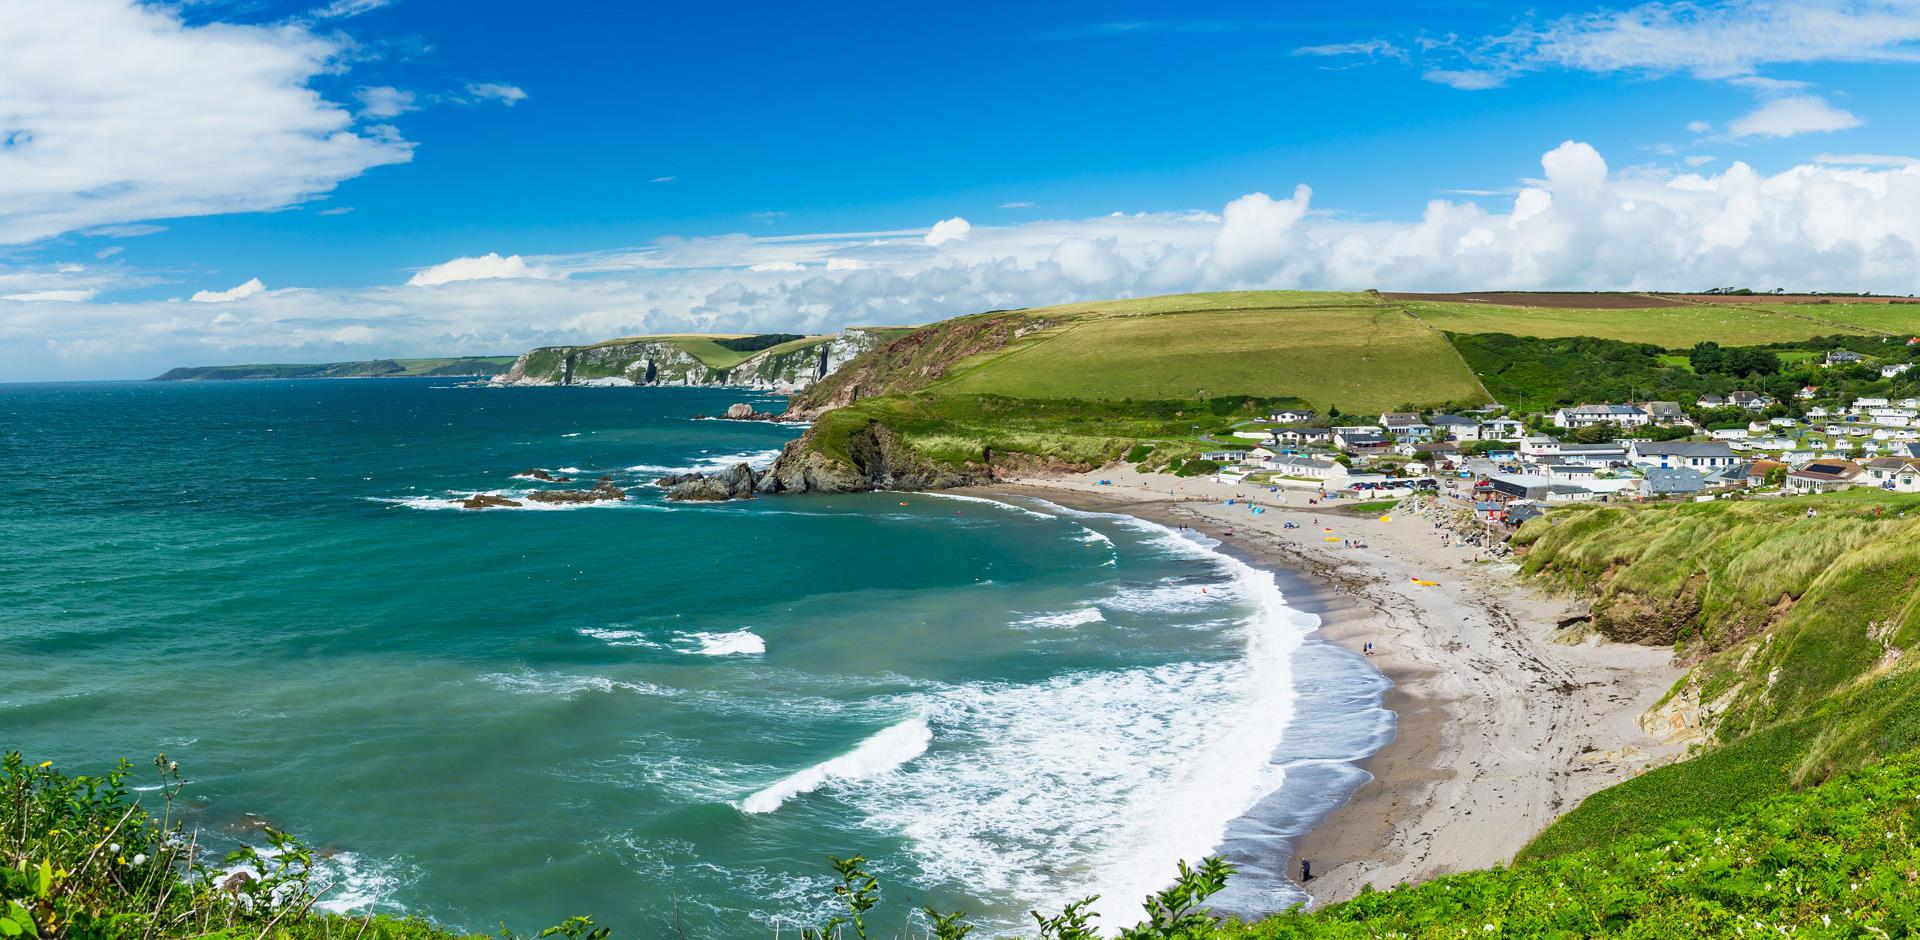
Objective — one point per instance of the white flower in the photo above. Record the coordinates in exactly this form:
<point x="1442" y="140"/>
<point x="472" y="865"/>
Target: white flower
<point x="114" y="848"/>
<point x="140" y="858"/>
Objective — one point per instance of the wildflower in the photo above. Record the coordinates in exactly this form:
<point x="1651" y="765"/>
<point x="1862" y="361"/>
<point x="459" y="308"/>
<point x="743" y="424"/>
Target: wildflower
<point x="140" y="858"/>
<point x="114" y="848"/>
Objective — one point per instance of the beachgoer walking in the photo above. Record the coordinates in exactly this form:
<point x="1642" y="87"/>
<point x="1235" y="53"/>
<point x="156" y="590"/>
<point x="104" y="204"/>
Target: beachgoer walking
<point x="1306" y="871"/>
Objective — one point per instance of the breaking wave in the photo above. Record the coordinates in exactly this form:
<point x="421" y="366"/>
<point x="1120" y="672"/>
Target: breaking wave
<point x="879" y="754"/>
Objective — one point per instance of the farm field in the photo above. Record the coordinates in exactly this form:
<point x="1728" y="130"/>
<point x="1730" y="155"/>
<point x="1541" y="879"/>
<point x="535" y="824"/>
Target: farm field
<point x="1673" y="327"/>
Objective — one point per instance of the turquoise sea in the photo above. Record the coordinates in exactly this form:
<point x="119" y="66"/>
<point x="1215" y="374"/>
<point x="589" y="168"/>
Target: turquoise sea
<point x="656" y="714"/>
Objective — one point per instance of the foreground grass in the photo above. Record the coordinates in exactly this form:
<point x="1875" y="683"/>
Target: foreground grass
<point x="79" y="859"/>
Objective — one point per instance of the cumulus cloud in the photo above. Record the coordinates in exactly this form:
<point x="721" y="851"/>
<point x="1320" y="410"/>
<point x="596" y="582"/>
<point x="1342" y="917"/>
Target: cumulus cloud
<point x="1787" y="117"/>
<point x="119" y="111"/>
<point x="1850" y="223"/>
<point x="243" y="291"/>
<point x="948" y="230"/>
<point x="490" y="266"/>
<point x="508" y="95"/>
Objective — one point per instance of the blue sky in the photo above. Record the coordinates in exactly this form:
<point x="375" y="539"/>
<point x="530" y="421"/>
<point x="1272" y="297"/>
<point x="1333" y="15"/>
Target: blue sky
<point x="618" y="160"/>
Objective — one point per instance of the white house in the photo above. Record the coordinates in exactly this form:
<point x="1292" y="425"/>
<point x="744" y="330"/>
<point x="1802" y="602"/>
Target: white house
<point x="1692" y="455"/>
<point x="1823" y="475"/>
<point x="1899" y="474"/>
<point x="1728" y="434"/>
<point x="1291" y="416"/>
<point x="1307" y="467"/>
<point x="1891" y="370"/>
<point x="1581" y="416"/>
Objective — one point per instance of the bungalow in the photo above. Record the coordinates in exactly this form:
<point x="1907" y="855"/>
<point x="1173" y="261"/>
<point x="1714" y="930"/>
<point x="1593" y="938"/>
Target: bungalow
<point x="1692" y="455"/>
<point x="1808" y="392"/>
<point x="1843" y="357"/>
<point x="1359" y="440"/>
<point x="1582" y="416"/>
<point x="1291" y="416"/>
<point x="1711" y="400"/>
<point x="1302" y="435"/>
<point x="1394" y="420"/>
<point x="1593" y="455"/>
<point x="1670" y="481"/>
<point x="1406" y="427"/>
<point x="1227" y="457"/>
<point x="1664" y="413"/>
<point x="1502" y="429"/>
<point x="1517" y="514"/>
<point x="1456" y="427"/>
<point x="1507" y="487"/>
<point x="1756" y="471"/>
<point x="1572" y="472"/>
<point x="1306" y="467"/>
<point x="1752" y="401"/>
<point x="1819" y="411"/>
<point x="1823" y="476"/>
<point x="1862" y="404"/>
<point x="1899" y="474"/>
<point x="1893" y="369"/>
<point x="1728" y="434"/>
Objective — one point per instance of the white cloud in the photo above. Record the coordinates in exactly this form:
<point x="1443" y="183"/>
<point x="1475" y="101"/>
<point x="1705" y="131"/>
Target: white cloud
<point x="343" y="9"/>
<point x="662" y="179"/>
<point x="1700" y="160"/>
<point x="1787" y="117"/>
<point x="336" y="210"/>
<point x="948" y="230"/>
<point x="1851" y="224"/>
<point x="120" y="112"/>
<point x="508" y="95"/>
<point x="384" y="101"/>
<point x="242" y="292"/>
<point x="1699" y="127"/>
<point x="1017" y="204"/>
<point x="490" y="266"/>
<point x="1466" y="79"/>
<point x="52" y="296"/>
<point x="1867" y="159"/>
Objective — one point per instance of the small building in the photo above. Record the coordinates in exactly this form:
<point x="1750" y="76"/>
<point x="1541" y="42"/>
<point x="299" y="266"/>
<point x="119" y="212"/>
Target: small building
<point x="1664" y="413"/>
<point x="1691" y="455"/>
<point x="1892" y="369"/>
<point x="1227" y="457"/>
<point x="1824" y="475"/>
<point x="1604" y="454"/>
<point x="1360" y="441"/>
<point x="1752" y="401"/>
<point x="1300" y="435"/>
<point x="1306" y="467"/>
<point x="1711" y="400"/>
<point x="1671" y="481"/>
<point x="1840" y="357"/>
<point x="1291" y="416"/>
<point x="1898" y="474"/>
<point x="1808" y="392"/>
<point x="1456" y="427"/>
<point x="1755" y="472"/>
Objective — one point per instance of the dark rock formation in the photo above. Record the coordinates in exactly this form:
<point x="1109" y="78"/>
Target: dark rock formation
<point x="488" y="501"/>
<point x="538" y="474"/>
<point x="877" y="460"/>
<point x="604" y="490"/>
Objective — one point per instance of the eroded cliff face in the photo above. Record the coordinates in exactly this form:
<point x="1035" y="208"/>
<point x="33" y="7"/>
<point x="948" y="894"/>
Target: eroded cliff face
<point x="663" y="362"/>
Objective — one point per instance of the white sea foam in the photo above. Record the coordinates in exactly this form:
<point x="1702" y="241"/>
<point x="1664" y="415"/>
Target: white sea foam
<point x="1169" y="596"/>
<point x="1098" y="782"/>
<point x="1072" y="618"/>
<point x="574" y="434"/>
<point x="528" y="682"/>
<point x="452" y="499"/>
<point x="571" y="470"/>
<point x="991" y="502"/>
<point x="879" y="754"/>
<point x="755" y="458"/>
<point x="614" y="636"/>
<point x="742" y="642"/>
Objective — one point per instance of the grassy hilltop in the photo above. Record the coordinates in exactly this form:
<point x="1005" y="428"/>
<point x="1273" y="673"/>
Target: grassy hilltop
<point x="368" y="368"/>
<point x="1083" y="384"/>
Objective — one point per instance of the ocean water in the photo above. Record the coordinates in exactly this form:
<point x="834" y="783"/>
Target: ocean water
<point x="662" y="715"/>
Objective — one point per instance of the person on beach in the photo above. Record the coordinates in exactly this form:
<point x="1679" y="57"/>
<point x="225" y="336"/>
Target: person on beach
<point x="1368" y="649"/>
<point x="1306" y="871"/>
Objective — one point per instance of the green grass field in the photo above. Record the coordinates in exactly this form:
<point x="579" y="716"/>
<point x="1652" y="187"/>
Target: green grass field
<point x="1359" y="358"/>
<point x="1669" y="327"/>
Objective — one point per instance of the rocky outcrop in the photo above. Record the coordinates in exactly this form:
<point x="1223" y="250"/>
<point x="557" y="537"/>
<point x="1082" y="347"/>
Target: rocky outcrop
<point x="662" y="361"/>
<point x="604" y="491"/>
<point x="876" y="460"/>
<point x="488" y="501"/>
<point x="543" y="476"/>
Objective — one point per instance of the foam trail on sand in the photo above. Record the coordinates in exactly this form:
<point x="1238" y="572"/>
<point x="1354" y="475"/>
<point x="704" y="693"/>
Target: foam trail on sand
<point x="878" y="754"/>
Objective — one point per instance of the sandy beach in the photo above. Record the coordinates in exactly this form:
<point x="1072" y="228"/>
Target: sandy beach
<point x="1504" y="721"/>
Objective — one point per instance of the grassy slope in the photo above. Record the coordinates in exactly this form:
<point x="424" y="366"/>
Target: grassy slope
<point x="1799" y="628"/>
<point x="1361" y="358"/>
<point x="1837" y="861"/>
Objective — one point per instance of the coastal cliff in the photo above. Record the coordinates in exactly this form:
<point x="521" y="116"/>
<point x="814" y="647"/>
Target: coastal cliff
<point x="790" y="365"/>
<point x="875" y="458"/>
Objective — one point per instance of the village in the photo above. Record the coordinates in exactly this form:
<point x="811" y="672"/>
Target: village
<point x="1513" y="467"/>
